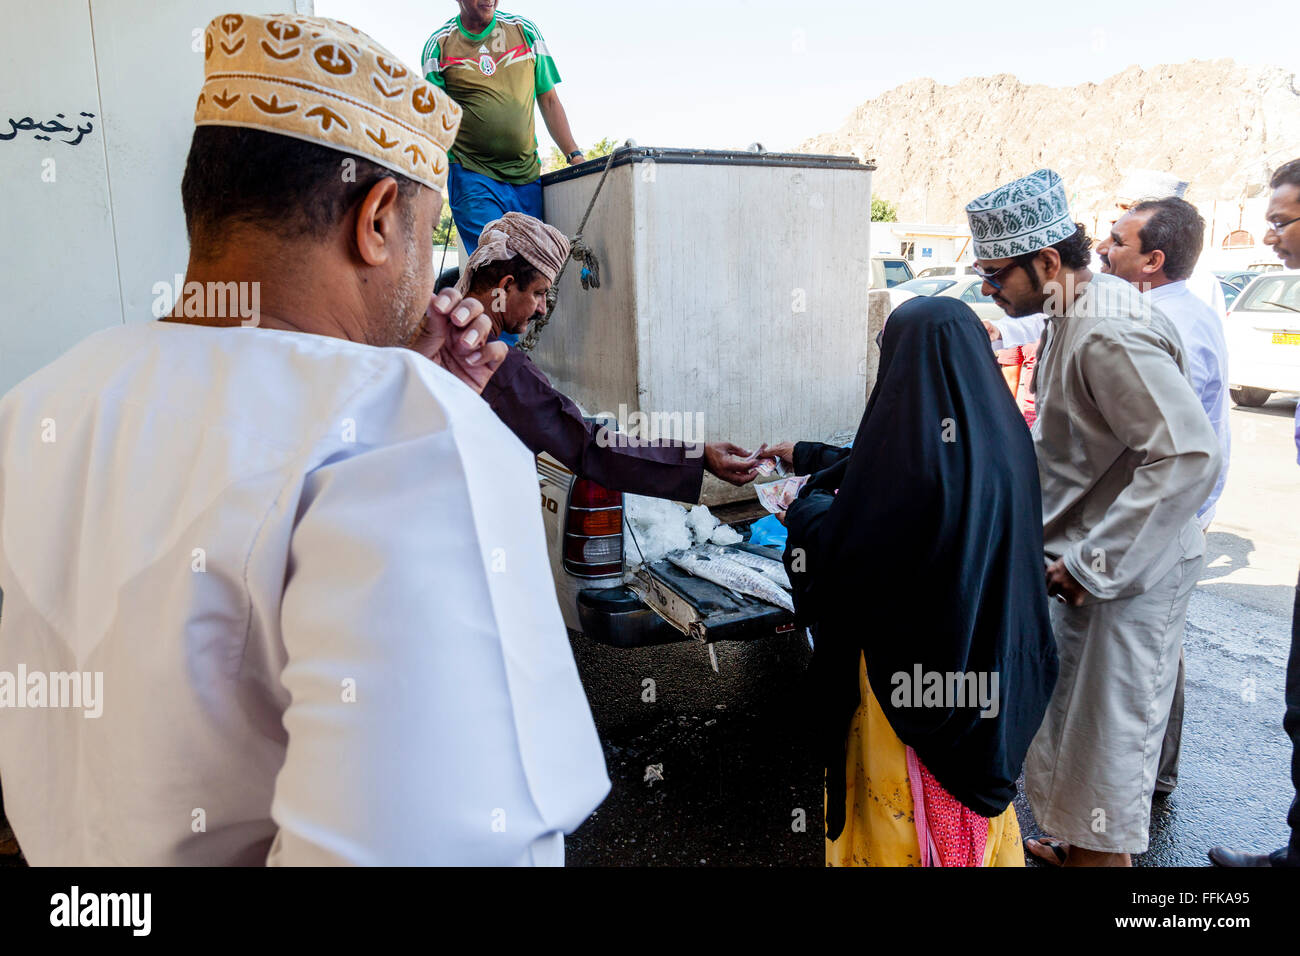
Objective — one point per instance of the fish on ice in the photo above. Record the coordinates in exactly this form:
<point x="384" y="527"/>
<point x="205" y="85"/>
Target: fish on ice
<point x="729" y="574"/>
<point x="768" y="567"/>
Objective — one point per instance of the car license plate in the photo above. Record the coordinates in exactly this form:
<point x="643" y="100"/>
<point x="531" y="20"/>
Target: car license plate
<point x="1286" y="338"/>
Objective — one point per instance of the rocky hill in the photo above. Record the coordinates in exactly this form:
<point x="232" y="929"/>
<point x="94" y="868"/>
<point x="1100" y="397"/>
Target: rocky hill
<point x="1217" y="124"/>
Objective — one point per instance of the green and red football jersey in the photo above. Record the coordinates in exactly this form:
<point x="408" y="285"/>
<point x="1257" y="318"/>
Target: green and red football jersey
<point x="496" y="77"/>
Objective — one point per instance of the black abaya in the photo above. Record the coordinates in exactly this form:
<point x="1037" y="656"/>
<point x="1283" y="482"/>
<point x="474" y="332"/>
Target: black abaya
<point x="924" y="547"/>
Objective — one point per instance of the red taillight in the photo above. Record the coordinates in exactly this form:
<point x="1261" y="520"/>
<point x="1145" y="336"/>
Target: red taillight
<point x="593" y="531"/>
<point x="587" y="494"/>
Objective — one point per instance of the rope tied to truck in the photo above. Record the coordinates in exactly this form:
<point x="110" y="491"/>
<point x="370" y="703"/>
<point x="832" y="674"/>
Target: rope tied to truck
<point x="579" y="252"/>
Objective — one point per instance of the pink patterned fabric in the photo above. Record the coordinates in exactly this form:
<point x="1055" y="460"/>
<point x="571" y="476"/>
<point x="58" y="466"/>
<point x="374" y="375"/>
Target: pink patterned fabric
<point x="949" y="833"/>
<point x="1025" y="394"/>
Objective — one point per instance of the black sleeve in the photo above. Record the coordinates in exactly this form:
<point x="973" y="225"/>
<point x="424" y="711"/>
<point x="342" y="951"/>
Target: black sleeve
<point x="804" y="521"/>
<point x="813" y="456"/>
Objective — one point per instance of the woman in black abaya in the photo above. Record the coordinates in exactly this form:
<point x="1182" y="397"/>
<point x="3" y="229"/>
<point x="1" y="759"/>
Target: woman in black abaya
<point x="919" y="558"/>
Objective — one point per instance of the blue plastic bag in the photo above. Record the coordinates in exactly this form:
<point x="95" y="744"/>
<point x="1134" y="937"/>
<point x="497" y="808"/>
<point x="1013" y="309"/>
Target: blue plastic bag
<point x="767" y="531"/>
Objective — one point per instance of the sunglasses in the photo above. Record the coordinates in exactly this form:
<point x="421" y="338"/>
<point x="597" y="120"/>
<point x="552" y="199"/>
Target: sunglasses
<point x="992" y="277"/>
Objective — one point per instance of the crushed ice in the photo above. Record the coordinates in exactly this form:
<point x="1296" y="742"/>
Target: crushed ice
<point x="661" y="526"/>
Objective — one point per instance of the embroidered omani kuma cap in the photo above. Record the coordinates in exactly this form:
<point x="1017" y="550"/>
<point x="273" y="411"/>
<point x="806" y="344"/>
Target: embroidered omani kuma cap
<point x="328" y="83"/>
<point x="1024" y="216"/>
<point x="1142" y="184"/>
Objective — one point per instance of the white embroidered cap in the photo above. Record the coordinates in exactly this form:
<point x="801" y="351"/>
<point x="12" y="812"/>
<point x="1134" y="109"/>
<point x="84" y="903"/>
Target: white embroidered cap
<point x="1024" y="216"/>
<point x="1142" y="184"/>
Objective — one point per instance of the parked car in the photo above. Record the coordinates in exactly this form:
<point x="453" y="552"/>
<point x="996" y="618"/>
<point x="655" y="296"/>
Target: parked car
<point x="889" y="271"/>
<point x="967" y="289"/>
<point x="926" y="285"/>
<point x="1238" y="279"/>
<point x="1262" y="332"/>
<point x="945" y="271"/>
<point x="1230" y="292"/>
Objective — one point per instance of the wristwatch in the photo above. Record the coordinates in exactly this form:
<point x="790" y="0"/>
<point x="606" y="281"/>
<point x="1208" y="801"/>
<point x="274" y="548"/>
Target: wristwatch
<point x="576" y="152"/>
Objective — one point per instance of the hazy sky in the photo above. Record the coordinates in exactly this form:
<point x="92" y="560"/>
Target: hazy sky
<point x="731" y="72"/>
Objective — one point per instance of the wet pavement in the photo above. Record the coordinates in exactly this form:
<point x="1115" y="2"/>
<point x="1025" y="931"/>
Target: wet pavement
<point x="726" y="757"/>
<point x="715" y="769"/>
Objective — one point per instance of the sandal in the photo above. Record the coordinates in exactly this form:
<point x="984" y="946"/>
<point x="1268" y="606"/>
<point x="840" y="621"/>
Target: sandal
<point x="1060" y="850"/>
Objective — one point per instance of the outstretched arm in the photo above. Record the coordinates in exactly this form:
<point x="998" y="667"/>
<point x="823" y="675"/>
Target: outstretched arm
<point x="547" y="420"/>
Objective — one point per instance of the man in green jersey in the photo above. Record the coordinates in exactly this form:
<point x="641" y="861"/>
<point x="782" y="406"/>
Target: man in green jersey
<point x="496" y="66"/>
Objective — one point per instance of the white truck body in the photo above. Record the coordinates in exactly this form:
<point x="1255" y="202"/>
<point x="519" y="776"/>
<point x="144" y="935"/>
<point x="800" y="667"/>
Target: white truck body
<point x="733" y="294"/>
<point x="734" y="305"/>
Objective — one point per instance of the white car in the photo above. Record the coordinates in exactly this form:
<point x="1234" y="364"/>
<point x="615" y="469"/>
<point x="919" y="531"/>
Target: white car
<point x="963" y="288"/>
<point x="936" y="271"/>
<point x="1263" y="338"/>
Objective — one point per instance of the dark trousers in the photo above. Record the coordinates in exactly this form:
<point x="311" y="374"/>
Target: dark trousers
<point x="1291" y="723"/>
<point x="1171" y="747"/>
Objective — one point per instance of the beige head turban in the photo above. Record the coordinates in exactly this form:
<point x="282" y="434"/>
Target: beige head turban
<point x="328" y="83"/>
<point x="543" y="247"/>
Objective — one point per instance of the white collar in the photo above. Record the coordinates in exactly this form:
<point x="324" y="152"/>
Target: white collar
<point x="1168" y="290"/>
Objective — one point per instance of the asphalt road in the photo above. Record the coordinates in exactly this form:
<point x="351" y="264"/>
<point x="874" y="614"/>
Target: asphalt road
<point x="715" y="771"/>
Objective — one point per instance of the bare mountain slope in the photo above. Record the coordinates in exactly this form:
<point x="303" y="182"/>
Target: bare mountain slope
<point x="1215" y="123"/>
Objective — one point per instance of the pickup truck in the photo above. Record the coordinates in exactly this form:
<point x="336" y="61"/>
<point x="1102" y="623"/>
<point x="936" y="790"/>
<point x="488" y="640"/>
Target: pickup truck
<point x="733" y="293"/>
<point x="656" y="604"/>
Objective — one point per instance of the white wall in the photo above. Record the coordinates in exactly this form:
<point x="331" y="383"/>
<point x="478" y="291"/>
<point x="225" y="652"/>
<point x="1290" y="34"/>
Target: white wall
<point x="887" y="238"/>
<point x="883" y="240"/>
<point x="90" y="227"/>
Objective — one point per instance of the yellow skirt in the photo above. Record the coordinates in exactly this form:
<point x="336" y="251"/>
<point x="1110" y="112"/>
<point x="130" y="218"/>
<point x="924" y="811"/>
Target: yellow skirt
<point x="878" y="827"/>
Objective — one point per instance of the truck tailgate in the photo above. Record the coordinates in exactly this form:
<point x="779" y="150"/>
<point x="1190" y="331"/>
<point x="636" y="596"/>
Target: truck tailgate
<point x="704" y="610"/>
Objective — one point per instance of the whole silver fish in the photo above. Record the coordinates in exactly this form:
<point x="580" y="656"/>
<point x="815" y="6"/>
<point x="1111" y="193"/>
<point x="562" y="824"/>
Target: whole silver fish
<point x="768" y="567"/>
<point x="729" y="574"/>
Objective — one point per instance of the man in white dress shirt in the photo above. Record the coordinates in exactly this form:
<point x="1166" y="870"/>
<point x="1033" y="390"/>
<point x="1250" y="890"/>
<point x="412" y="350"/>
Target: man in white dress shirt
<point x="1155" y="246"/>
<point x="301" y="565"/>
<point x="1140" y="185"/>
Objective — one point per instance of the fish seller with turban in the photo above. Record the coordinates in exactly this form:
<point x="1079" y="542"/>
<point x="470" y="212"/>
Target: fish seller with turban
<point x="1126" y="455"/>
<point x="276" y="537"/>
<point x="509" y="274"/>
